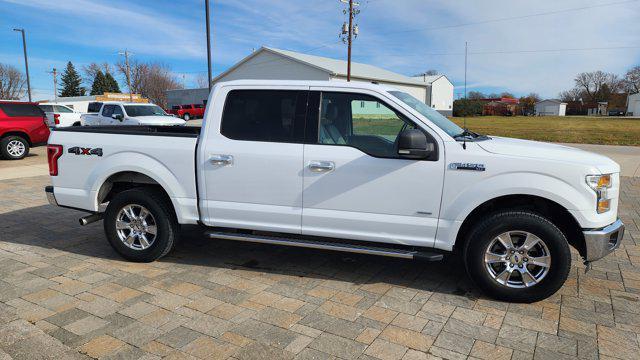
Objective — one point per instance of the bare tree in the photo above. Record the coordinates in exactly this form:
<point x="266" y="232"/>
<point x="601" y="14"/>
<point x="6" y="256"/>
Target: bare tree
<point x="632" y="80"/>
<point x="598" y="85"/>
<point x="574" y="94"/>
<point x="202" y="82"/>
<point x="12" y="83"/>
<point x="476" y="95"/>
<point x="91" y="70"/>
<point x="151" y="80"/>
<point x="430" y="72"/>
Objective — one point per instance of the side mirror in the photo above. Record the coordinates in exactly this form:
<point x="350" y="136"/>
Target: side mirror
<point x="413" y="144"/>
<point x="118" y="117"/>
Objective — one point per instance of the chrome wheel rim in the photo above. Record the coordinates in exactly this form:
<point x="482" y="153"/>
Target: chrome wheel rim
<point x="136" y="227"/>
<point x="517" y="259"/>
<point x="16" y="148"/>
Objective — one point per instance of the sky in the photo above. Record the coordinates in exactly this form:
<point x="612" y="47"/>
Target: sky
<point x="515" y="46"/>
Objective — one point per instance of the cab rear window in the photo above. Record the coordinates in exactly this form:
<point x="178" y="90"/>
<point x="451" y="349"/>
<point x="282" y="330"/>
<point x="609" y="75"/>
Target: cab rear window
<point x="18" y="110"/>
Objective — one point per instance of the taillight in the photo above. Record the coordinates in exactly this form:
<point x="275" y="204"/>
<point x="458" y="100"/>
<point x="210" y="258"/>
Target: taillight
<point x="53" y="154"/>
<point x="56" y="119"/>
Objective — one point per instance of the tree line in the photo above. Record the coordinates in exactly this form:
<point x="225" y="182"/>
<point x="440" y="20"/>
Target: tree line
<point x="149" y="79"/>
<point x="597" y="86"/>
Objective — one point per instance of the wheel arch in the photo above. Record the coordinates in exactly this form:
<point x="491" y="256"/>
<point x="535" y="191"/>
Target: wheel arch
<point x="20" y="133"/>
<point x="547" y="208"/>
<point x="129" y="179"/>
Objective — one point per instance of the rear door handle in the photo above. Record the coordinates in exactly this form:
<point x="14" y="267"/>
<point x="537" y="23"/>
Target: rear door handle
<point x="321" y="166"/>
<point x="222" y="160"/>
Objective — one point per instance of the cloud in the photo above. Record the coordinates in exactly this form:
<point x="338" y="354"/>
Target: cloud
<point x="117" y="25"/>
<point x="173" y="32"/>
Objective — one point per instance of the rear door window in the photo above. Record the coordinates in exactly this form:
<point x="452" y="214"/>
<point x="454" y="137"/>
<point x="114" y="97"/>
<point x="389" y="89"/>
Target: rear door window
<point x="265" y="115"/>
<point x="94" y="107"/>
<point x="21" y="110"/>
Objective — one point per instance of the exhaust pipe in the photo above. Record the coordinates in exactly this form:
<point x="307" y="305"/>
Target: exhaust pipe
<point x="86" y="220"/>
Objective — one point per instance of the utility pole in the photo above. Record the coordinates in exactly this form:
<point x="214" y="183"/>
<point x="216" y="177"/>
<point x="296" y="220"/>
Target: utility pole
<point x="350" y="31"/>
<point x="206" y="8"/>
<point x="126" y="62"/>
<point x="26" y="62"/>
<point x="54" y="71"/>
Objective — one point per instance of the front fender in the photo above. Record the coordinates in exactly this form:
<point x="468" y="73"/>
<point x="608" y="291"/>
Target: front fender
<point x="557" y="190"/>
<point x="459" y="200"/>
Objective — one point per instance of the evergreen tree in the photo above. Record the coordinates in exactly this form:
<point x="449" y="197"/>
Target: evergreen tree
<point x="99" y="86"/>
<point x="71" y="82"/>
<point x="112" y="84"/>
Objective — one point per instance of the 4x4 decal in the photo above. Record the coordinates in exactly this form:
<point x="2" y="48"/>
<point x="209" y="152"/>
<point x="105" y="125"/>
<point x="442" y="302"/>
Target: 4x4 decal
<point x="85" y="151"/>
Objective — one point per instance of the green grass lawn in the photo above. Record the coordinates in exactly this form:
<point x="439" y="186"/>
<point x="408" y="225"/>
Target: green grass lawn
<point x="569" y="129"/>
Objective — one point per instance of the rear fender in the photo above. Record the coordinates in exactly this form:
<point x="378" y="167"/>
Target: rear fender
<point x="146" y="165"/>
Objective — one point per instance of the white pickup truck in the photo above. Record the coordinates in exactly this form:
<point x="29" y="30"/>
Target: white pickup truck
<point x="344" y="166"/>
<point x="60" y="115"/>
<point x="120" y="113"/>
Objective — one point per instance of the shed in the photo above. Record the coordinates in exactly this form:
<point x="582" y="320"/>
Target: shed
<point x="551" y="107"/>
<point x="633" y="105"/>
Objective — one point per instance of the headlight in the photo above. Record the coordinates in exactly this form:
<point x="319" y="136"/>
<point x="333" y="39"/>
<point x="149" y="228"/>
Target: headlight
<point x="600" y="184"/>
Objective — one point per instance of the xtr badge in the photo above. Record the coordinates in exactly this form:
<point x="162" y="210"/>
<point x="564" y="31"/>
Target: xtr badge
<point x="467" y="166"/>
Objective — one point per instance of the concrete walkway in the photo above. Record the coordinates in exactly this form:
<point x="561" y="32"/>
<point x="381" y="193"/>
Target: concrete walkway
<point x="627" y="156"/>
<point x="33" y="165"/>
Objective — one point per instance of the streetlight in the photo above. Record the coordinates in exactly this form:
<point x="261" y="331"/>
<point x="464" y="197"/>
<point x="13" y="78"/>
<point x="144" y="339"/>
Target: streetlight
<point x="206" y="8"/>
<point x="26" y="63"/>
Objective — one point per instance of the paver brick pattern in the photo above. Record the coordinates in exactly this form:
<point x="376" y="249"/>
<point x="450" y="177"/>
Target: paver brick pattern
<point x="64" y="293"/>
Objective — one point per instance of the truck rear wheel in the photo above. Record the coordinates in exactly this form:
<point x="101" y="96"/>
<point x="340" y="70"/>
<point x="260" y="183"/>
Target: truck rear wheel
<point x="140" y="225"/>
<point x="517" y="256"/>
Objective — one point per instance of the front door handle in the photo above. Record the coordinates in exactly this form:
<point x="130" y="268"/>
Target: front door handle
<point x="321" y="166"/>
<point x="222" y="160"/>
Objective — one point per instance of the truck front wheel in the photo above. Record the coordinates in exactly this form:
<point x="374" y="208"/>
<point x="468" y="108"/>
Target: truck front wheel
<point x="140" y="225"/>
<point x="517" y="256"/>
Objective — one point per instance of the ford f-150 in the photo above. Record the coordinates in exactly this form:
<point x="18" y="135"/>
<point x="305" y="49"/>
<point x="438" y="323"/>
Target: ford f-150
<point x="344" y="166"/>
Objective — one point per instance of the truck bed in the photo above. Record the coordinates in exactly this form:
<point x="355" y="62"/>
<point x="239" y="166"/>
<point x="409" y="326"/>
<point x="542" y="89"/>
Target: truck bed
<point x="93" y="154"/>
<point x="170" y="131"/>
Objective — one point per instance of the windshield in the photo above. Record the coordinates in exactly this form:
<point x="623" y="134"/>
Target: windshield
<point x="144" y="110"/>
<point x="438" y="119"/>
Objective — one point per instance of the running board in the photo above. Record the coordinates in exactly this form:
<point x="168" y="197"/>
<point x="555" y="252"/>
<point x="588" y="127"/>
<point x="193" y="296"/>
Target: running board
<point x="343" y="247"/>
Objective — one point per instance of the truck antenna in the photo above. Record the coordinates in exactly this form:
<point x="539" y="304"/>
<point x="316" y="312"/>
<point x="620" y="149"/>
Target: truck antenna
<point x="464" y="118"/>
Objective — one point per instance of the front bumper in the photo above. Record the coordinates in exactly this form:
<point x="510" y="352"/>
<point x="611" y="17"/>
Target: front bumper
<point x="600" y="242"/>
<point x="51" y="197"/>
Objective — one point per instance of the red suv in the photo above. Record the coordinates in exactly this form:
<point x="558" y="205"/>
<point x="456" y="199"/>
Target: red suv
<point x="22" y="125"/>
<point x="188" y="112"/>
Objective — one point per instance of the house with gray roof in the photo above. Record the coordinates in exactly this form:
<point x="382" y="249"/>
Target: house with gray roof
<point x="270" y="63"/>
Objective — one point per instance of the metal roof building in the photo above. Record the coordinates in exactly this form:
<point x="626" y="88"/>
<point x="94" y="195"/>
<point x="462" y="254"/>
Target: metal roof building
<point x="271" y="64"/>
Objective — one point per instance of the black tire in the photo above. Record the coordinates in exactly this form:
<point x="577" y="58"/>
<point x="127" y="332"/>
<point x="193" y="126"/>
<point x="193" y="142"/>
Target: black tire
<point x="186" y="117"/>
<point x="167" y="228"/>
<point x="482" y="235"/>
<point x="8" y="149"/>
<point x="77" y="123"/>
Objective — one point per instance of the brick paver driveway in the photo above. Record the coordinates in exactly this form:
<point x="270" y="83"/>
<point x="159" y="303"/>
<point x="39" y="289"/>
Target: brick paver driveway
<point x="65" y="294"/>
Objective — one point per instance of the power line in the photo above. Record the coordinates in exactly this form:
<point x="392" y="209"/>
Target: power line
<point x="513" y="17"/>
<point x="491" y="52"/>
